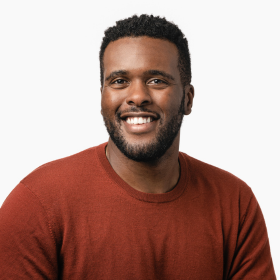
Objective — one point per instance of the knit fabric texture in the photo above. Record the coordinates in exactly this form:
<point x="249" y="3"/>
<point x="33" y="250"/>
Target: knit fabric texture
<point x="75" y="218"/>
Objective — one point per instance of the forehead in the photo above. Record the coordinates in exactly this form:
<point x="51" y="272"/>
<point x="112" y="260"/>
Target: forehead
<point x="140" y="53"/>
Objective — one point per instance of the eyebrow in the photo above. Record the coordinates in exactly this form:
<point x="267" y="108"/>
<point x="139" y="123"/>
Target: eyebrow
<point x="116" y="73"/>
<point x="149" y="72"/>
<point x="160" y="73"/>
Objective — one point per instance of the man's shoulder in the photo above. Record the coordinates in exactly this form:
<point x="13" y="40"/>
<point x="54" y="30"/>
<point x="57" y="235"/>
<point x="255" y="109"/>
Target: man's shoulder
<point x="64" y="171"/>
<point x="213" y="178"/>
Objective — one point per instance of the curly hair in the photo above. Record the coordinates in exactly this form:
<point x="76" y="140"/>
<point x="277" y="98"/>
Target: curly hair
<point x="154" y="27"/>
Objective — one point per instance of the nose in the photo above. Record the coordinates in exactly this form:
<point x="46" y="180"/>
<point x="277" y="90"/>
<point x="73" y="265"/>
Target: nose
<point x="138" y="95"/>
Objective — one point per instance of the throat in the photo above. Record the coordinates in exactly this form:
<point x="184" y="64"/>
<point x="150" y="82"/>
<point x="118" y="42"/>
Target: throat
<point x="156" y="179"/>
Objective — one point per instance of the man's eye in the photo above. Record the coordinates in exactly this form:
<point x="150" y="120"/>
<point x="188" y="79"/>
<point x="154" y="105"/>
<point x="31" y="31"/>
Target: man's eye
<point x="119" y="82"/>
<point x="157" y="81"/>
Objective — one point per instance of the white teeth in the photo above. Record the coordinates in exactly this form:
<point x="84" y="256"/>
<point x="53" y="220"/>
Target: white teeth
<point x="140" y="120"/>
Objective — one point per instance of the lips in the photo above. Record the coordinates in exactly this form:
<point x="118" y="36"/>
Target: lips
<point x="139" y="122"/>
<point x="141" y="125"/>
<point x="153" y="116"/>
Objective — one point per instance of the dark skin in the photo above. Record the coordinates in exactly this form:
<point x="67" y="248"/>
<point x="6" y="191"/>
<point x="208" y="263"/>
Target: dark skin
<point x="137" y="86"/>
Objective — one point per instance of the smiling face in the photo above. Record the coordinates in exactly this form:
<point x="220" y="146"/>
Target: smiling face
<point x="143" y="100"/>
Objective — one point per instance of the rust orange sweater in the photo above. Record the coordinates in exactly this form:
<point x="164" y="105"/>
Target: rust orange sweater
<point x="75" y="218"/>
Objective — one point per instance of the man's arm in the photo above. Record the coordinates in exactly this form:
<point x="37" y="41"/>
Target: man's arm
<point x="27" y="244"/>
<point x="252" y="259"/>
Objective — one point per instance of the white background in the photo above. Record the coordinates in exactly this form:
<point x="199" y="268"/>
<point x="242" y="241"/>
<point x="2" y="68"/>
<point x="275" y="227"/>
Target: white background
<point x="50" y="88"/>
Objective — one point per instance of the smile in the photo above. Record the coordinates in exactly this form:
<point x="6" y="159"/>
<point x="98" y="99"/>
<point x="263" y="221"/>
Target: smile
<point x="139" y="120"/>
<point x="139" y="125"/>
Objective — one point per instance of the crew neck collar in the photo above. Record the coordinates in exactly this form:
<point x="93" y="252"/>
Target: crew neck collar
<point x="175" y="193"/>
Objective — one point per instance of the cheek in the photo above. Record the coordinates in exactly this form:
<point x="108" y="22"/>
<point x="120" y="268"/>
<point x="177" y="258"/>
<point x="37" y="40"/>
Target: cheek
<point x="110" y="102"/>
<point x="168" y="103"/>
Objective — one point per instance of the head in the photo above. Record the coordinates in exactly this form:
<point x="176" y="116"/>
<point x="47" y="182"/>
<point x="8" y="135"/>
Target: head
<point x="145" y="85"/>
<point x="153" y="27"/>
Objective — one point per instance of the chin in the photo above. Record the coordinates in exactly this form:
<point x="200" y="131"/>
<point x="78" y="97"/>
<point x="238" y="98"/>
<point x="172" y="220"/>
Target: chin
<point x="143" y="152"/>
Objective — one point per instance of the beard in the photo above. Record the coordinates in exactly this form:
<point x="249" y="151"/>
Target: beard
<point x="154" y="150"/>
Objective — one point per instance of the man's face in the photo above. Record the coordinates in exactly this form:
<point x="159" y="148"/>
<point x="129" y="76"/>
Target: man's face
<point x="143" y="100"/>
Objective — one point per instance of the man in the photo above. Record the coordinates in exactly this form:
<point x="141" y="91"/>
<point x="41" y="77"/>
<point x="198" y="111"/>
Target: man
<point x="136" y="207"/>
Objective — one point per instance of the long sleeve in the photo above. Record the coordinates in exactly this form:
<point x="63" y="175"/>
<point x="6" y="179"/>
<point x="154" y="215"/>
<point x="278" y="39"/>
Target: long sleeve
<point x="252" y="258"/>
<point x="27" y="246"/>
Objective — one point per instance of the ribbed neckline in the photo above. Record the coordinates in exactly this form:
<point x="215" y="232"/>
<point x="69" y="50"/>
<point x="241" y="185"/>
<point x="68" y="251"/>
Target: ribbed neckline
<point x="148" y="197"/>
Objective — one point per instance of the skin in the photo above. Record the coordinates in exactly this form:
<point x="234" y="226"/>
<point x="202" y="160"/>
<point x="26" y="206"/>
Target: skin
<point x="154" y="92"/>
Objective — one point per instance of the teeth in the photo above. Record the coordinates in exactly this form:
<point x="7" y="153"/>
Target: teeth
<point x="140" y="120"/>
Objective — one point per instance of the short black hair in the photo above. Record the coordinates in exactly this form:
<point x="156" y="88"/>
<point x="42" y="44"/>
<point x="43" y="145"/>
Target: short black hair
<point x="154" y="27"/>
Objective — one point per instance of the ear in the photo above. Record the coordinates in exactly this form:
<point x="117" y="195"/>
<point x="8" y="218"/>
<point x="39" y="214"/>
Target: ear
<point x="189" y="95"/>
<point x="101" y="97"/>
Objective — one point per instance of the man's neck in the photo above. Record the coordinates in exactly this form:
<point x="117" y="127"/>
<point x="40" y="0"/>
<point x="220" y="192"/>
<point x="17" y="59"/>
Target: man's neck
<point x="159" y="176"/>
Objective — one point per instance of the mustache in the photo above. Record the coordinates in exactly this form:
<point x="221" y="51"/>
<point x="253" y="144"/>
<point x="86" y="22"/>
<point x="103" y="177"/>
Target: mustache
<point x="136" y="110"/>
